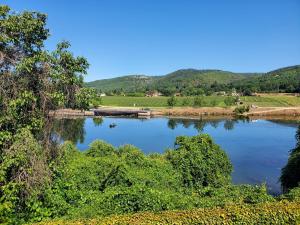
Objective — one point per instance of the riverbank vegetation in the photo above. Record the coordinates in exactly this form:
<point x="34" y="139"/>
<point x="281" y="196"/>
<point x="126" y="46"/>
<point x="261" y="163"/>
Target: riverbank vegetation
<point x="42" y="179"/>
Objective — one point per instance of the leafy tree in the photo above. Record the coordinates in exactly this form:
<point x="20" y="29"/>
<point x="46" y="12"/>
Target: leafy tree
<point x="33" y="81"/>
<point x="83" y="97"/>
<point x="172" y="101"/>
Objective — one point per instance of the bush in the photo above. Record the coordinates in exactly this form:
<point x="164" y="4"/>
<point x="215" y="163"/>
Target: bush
<point x="290" y="176"/>
<point x="241" y="109"/>
<point x="200" y="161"/>
<point x="100" y="148"/>
<point x="172" y="101"/>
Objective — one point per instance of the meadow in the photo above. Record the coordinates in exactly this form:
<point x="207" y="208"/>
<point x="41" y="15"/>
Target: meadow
<point x="208" y="101"/>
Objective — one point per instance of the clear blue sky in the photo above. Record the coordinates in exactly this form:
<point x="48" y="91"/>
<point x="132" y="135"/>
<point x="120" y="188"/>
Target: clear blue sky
<point x="155" y="37"/>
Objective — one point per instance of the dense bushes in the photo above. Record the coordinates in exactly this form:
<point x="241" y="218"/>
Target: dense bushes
<point x="105" y="180"/>
<point x="290" y="176"/>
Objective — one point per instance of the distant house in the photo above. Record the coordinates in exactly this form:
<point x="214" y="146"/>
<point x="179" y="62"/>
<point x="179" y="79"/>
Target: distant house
<point x="102" y="94"/>
<point x="153" y="94"/>
<point x="177" y="94"/>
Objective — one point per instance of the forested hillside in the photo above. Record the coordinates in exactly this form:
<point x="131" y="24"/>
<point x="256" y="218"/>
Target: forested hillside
<point x="195" y="82"/>
<point x="133" y="83"/>
<point x="282" y="80"/>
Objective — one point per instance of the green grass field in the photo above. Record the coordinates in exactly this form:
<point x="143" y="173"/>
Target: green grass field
<point x="208" y="101"/>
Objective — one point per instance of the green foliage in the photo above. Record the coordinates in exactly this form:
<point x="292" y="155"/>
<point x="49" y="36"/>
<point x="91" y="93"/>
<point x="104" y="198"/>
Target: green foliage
<point x="200" y="161"/>
<point x="23" y="176"/>
<point x="229" y="101"/>
<point x="191" y="82"/>
<point x="239" y="110"/>
<point x="290" y="176"/>
<point x="33" y="81"/>
<point x="199" y="101"/>
<point x="263" y="213"/>
<point x="185" y="102"/>
<point x="172" y="101"/>
<point x="84" y="96"/>
<point x="161" y="101"/>
<point x="100" y="148"/>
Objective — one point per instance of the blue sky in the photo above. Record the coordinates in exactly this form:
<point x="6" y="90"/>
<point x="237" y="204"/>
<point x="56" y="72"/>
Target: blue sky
<point x="155" y="37"/>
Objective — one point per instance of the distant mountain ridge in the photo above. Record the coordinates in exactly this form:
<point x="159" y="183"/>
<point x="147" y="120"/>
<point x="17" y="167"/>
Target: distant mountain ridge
<point x="185" y="79"/>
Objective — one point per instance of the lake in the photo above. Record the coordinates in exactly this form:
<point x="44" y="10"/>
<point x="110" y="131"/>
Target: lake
<point x="258" y="149"/>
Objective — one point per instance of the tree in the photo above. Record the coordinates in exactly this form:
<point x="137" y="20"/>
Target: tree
<point x="33" y="81"/>
<point x="172" y="101"/>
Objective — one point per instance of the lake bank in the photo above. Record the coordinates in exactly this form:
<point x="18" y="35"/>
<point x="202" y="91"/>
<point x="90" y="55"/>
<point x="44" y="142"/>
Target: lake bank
<point x="220" y="112"/>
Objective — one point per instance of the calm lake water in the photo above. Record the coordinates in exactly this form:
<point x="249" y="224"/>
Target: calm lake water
<point x="258" y="149"/>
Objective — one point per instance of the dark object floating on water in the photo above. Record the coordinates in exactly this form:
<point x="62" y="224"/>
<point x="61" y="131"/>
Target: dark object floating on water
<point x="112" y="125"/>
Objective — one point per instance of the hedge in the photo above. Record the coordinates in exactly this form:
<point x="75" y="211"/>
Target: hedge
<point x="283" y="212"/>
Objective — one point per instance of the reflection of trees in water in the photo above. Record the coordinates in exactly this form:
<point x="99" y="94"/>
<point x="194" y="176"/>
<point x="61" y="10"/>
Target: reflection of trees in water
<point x="290" y="174"/>
<point x="214" y="123"/>
<point x="97" y="121"/>
<point x="199" y="124"/>
<point x="172" y="124"/>
<point x="229" y="124"/>
<point x="69" y="129"/>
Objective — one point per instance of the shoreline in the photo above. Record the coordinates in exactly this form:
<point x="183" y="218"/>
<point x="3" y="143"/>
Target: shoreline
<point x="285" y="113"/>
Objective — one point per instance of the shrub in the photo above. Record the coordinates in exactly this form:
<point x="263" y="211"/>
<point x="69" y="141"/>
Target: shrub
<point x="290" y="176"/>
<point x="241" y="109"/>
<point x="200" y="161"/>
<point x="172" y="101"/>
<point x="100" y="148"/>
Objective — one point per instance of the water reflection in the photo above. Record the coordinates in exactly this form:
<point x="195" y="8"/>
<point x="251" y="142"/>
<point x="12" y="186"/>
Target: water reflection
<point x="70" y="129"/>
<point x="200" y="124"/>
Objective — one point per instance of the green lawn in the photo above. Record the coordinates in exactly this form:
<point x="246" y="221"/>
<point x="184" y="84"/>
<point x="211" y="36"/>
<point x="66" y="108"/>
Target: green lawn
<point x="208" y="101"/>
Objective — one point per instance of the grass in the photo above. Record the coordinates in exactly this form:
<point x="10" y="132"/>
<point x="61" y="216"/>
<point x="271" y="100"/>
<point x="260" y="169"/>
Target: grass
<point x="209" y="101"/>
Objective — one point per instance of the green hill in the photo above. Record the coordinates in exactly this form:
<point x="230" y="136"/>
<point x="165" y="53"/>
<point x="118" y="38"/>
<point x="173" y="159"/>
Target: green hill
<point x="131" y="83"/>
<point x="285" y="79"/>
<point x="176" y="80"/>
<point x="193" y="82"/>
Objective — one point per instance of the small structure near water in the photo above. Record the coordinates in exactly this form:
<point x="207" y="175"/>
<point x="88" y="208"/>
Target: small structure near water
<point x="117" y="112"/>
